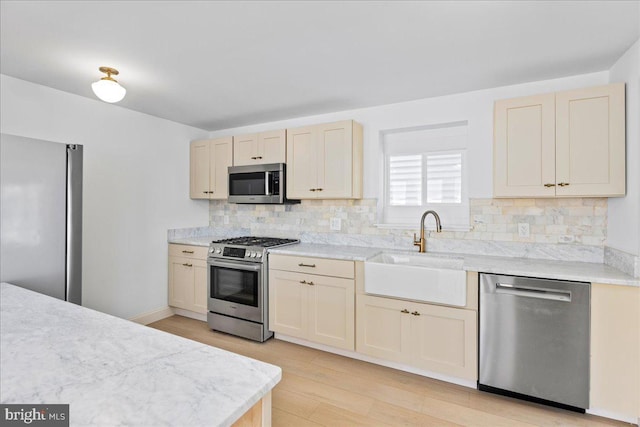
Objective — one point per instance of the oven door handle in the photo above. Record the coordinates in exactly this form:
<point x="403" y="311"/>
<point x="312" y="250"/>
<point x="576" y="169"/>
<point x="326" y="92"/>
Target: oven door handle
<point x="236" y="265"/>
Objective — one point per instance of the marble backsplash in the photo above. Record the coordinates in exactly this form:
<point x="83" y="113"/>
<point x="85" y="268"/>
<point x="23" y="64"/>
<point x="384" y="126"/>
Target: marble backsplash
<point x="560" y="229"/>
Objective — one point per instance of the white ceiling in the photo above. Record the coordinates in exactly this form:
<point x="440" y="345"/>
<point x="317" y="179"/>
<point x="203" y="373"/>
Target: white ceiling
<point x="217" y="65"/>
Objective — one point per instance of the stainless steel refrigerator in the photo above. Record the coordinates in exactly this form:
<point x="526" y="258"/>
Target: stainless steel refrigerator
<point x="41" y="216"/>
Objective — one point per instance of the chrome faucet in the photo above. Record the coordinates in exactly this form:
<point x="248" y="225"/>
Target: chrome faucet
<point x="423" y="242"/>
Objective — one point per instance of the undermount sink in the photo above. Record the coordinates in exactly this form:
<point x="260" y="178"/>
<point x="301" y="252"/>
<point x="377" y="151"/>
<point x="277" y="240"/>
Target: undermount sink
<point x="419" y="277"/>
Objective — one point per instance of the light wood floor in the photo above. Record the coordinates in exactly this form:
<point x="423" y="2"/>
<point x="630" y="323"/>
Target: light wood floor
<point x="320" y="388"/>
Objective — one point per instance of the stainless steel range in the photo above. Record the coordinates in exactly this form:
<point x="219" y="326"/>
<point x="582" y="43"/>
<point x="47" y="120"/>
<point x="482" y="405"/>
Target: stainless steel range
<point x="237" y="277"/>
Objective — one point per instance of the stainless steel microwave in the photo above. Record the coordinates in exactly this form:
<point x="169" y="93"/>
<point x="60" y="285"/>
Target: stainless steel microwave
<point x="258" y="184"/>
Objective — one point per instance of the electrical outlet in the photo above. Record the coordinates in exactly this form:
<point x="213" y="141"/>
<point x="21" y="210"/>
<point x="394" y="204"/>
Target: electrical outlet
<point x="523" y="229"/>
<point x="335" y="224"/>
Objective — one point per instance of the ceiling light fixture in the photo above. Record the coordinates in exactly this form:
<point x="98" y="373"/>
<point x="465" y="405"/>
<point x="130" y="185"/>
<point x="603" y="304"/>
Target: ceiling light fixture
<point x="107" y="88"/>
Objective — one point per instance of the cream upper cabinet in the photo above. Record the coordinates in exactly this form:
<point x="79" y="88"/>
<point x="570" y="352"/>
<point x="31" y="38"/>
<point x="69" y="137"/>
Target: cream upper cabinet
<point x="325" y="161"/>
<point x="209" y="162"/>
<point x="259" y="148"/>
<point x="306" y="301"/>
<point x="615" y="351"/>
<point x="590" y="141"/>
<point x="188" y="277"/>
<point x="561" y="144"/>
<point x="524" y="147"/>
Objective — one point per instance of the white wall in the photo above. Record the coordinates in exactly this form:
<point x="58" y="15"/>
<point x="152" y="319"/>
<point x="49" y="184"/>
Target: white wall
<point x="476" y="107"/>
<point x="136" y="186"/>
<point x="624" y="213"/>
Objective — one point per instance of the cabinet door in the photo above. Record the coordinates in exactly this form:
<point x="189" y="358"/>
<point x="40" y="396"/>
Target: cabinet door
<point x="615" y="350"/>
<point x="220" y="158"/>
<point x="181" y="278"/>
<point x="335" y="160"/>
<point x="383" y="328"/>
<point x="331" y="311"/>
<point x="590" y="141"/>
<point x="302" y="163"/>
<point x="272" y="147"/>
<point x="444" y="340"/>
<point x="199" y="170"/>
<point x="524" y="147"/>
<point x="245" y="149"/>
<point x="288" y="302"/>
<point x="200" y="289"/>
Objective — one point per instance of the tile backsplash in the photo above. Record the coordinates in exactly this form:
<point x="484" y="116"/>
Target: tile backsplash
<point x="567" y="229"/>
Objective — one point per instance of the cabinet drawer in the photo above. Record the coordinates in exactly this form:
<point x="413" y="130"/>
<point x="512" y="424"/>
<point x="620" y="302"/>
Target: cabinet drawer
<point x="320" y="266"/>
<point x="188" y="251"/>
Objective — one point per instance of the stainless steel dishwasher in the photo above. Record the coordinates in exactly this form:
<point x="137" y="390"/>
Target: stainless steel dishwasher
<point x="534" y="339"/>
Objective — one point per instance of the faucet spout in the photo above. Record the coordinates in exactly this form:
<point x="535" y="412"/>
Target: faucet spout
<point x="422" y="243"/>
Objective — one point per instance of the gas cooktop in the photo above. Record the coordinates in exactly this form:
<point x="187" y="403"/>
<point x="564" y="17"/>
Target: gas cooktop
<point x="262" y="242"/>
<point x="246" y="248"/>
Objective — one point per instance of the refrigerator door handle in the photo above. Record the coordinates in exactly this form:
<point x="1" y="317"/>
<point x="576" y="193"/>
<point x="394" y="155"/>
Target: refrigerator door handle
<point x="74" y="224"/>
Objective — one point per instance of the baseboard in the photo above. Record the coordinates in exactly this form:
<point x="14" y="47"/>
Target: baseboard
<point x="190" y="314"/>
<point x="614" y="416"/>
<point x="376" y="361"/>
<point x="153" y="316"/>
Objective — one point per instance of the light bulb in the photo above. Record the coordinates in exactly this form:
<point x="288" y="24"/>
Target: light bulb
<point x="108" y="90"/>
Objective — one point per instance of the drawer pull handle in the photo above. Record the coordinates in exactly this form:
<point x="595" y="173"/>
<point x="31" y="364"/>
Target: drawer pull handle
<point x="549" y="185"/>
<point x="318" y="189"/>
<point x="563" y="184"/>
<point x="404" y="311"/>
<point x="312" y="189"/>
<point x="306" y="265"/>
<point x="304" y="282"/>
<point x="415" y="313"/>
<point x="187" y="265"/>
<point x="310" y="283"/>
<point x="187" y="252"/>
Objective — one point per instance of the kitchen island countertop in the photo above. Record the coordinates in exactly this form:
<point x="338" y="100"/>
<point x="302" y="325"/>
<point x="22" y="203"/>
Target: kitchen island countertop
<point x="115" y="372"/>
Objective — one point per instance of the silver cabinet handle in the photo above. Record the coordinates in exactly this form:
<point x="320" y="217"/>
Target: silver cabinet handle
<point x="306" y="265"/>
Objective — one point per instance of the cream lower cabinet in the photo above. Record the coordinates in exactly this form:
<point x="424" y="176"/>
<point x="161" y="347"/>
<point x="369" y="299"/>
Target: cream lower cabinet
<point x="314" y="307"/>
<point x="430" y="337"/>
<point x="188" y="277"/>
<point x="615" y="351"/>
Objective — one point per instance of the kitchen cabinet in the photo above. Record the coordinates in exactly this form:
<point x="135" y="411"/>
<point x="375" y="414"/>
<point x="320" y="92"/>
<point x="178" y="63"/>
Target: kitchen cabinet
<point x="430" y="337"/>
<point x="308" y="301"/>
<point x="209" y="162"/>
<point x="564" y="144"/>
<point x="188" y="277"/>
<point x="615" y="351"/>
<point x="259" y="148"/>
<point x="325" y="161"/>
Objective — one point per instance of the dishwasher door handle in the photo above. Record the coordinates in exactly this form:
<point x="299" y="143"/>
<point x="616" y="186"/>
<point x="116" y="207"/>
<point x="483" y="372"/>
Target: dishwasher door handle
<point x="540" y="293"/>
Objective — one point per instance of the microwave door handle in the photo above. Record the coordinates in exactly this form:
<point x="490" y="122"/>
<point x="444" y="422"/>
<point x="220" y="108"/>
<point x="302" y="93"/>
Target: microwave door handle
<point x="267" y="182"/>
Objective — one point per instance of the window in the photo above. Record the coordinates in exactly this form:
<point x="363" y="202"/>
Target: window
<point x="425" y="169"/>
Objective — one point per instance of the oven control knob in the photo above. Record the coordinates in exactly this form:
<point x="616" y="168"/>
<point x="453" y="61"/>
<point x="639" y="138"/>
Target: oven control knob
<point x="218" y="250"/>
<point x="259" y="254"/>
<point x="252" y="254"/>
<point x="210" y="250"/>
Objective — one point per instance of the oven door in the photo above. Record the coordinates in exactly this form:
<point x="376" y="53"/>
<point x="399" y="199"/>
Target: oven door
<point x="236" y="289"/>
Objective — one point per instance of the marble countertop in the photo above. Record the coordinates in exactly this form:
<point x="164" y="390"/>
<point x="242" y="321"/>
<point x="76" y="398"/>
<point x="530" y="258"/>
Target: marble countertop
<point x="115" y="372"/>
<point x="193" y="241"/>
<point x="561" y="270"/>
